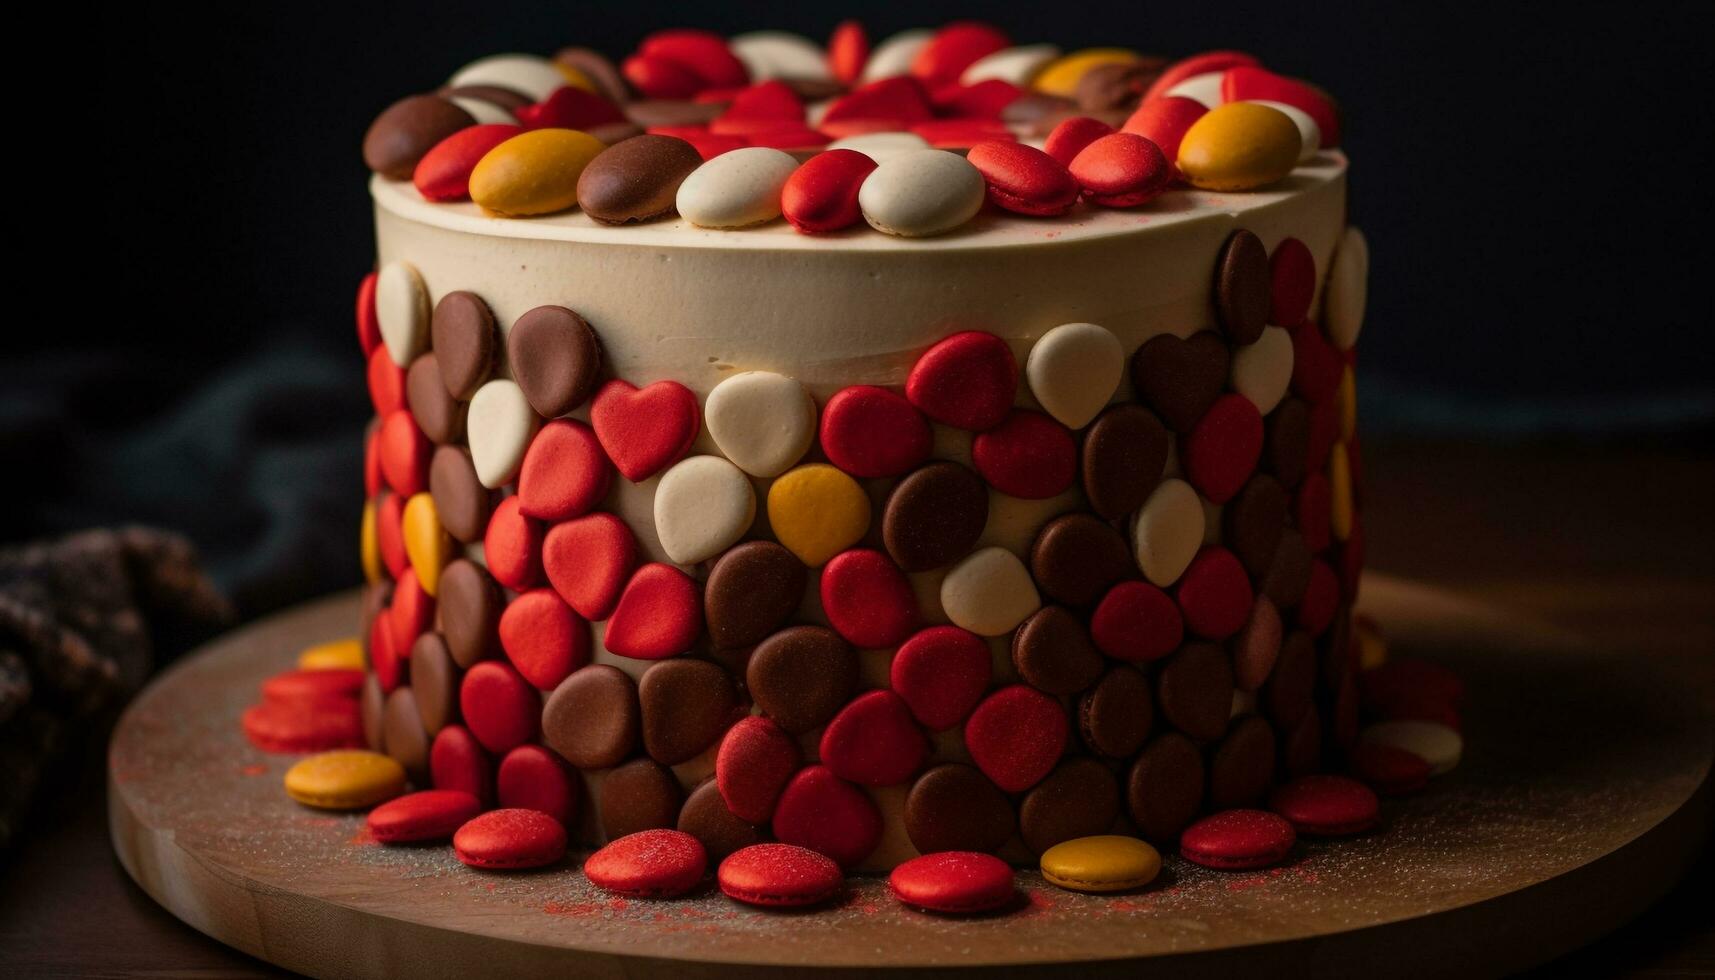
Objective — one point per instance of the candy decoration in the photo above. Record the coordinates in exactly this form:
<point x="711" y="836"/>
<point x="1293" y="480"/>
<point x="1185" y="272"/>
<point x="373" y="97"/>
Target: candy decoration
<point x="386" y="383"/>
<point x="593" y="718"/>
<point x="1024" y="179"/>
<point x="412" y="611"/>
<point x="704" y="53"/>
<point x="821" y="196"/>
<point x="762" y="421"/>
<point x="334" y="655"/>
<point x="1195" y="689"/>
<point x="756" y="760"/>
<point x="649" y="864"/>
<point x="1167" y="531"/>
<point x="779" y="876"/>
<point x="1198" y="64"/>
<point x="781" y="54"/>
<point x="966" y="380"/>
<point x="736" y="189"/>
<point x="922" y="193"/>
<point x="443" y="174"/>
<point x="1389" y="769"/>
<point x="826" y="814"/>
<point x="1239" y="146"/>
<point x="703" y="505"/>
<point x="637" y="179"/>
<point x="686" y="706"/>
<point x="535" y="77"/>
<point x="953" y="883"/>
<point x="1052" y="652"/>
<point x="954" y="48"/>
<point x="345" y="779"/>
<point x="1203" y="88"/>
<point x="544" y="638"/>
<point x="534" y="778"/>
<point x="1101" y="864"/>
<point x="871" y="432"/>
<point x="1115" y="714"/>
<point x="1250" y="83"/>
<point x="1029" y="456"/>
<point x="462" y="503"/>
<point x="1237" y="840"/>
<point x="1072" y="136"/>
<point x="402" y="311"/>
<point x="1326" y="805"/>
<point x="456" y="761"/>
<point x="499" y="706"/>
<point x="510" y="839"/>
<point x="1016" y="65"/>
<point x="427" y="544"/>
<point x="1433" y="742"/>
<point x="1242" y="282"/>
<point x="1262" y="371"/>
<point x="304" y="725"/>
<point x="873" y="741"/>
<point x="1348" y="290"/>
<point x="941" y="673"/>
<point x="817" y="511"/>
<point x="659" y="615"/>
<point x="645" y="430"/>
<point x="535" y="172"/>
<point x="867" y="599"/>
<point x="512" y="546"/>
<point x="1243" y="764"/>
<point x="704" y="815"/>
<point x="588" y="561"/>
<point x="1121" y="170"/>
<point x="750" y="592"/>
<point x="1125" y="455"/>
<point x="1015" y="736"/>
<point x="1222" y="450"/>
<point x="368" y="320"/>
<point x="570" y="107"/>
<point x="1164" y="121"/>
<point x="1074" y="370"/>
<point x="564" y="472"/>
<point x="499" y="425"/>
<point x="848" y="50"/>
<point x="404" y="454"/>
<point x="1137" y="622"/>
<point x="406" y="130"/>
<point x="555" y="358"/>
<point x="933" y="516"/>
<point x="801" y="676"/>
<point x="428" y="815"/>
<point x="438" y="414"/>
<point x="1180" y="378"/>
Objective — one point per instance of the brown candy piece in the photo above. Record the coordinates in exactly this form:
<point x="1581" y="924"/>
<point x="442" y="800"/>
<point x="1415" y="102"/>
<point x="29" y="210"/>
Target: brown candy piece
<point x="1196" y="691"/>
<point x="1165" y="787"/>
<point x="509" y="99"/>
<point x="1253" y="521"/>
<point x="1077" y="558"/>
<point x="461" y="501"/>
<point x="1105" y="88"/>
<point x="438" y="414"/>
<point x="640" y="795"/>
<point x="615" y="132"/>
<point x="636" y="179"/>
<point x="751" y="591"/>
<point x="596" y="67"/>
<point x="406" y="130"/>
<point x="434" y="682"/>
<point x="1080" y="798"/>
<point x="461" y="333"/>
<point x="1115" y="715"/>
<point x="468" y="604"/>
<point x="686" y="704"/>
<point x="954" y="807"/>
<point x="1288" y="574"/>
<point x="1292" y="683"/>
<point x="593" y="717"/>
<point x="1180" y="379"/>
<point x="376" y="598"/>
<point x="1242" y="283"/>
<point x="555" y="358"/>
<point x="1124" y="457"/>
<point x="1243" y="765"/>
<point x="650" y="113"/>
<point x="801" y="676"/>
<point x="934" y="516"/>
<point x="1256" y="646"/>
<point x="1053" y="652"/>
<point x="1301" y="748"/>
<point x="1286" y="441"/>
<point x="705" y="816"/>
<point x="403" y="733"/>
<point x="372" y="708"/>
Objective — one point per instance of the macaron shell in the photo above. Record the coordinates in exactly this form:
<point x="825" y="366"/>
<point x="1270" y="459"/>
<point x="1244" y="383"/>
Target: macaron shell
<point x="1104" y="863"/>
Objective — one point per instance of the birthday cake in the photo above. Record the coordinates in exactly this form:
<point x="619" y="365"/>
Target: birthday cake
<point x="945" y="445"/>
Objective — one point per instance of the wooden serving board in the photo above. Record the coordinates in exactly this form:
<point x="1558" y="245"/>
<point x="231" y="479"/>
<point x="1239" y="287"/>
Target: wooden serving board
<point x="1583" y="794"/>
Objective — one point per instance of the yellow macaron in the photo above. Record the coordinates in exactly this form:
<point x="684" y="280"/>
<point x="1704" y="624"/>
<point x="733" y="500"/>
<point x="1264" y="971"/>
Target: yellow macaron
<point x="345" y="779"/>
<point x="1105" y="863"/>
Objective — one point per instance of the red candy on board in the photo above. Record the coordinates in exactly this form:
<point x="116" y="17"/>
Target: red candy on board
<point x="512" y="546"/>
<point x="826" y="814"/>
<point x="510" y="839"/>
<point x="1316" y="365"/>
<point x="1030" y="455"/>
<point x="1121" y="170"/>
<point x="372" y="478"/>
<point x="1222" y="450"/>
<point x="588" y="560"/>
<point x="779" y="876"/>
<point x="984" y="100"/>
<point x="1016" y="736"/>
<point x="426" y="815"/>
<point x="954" y="882"/>
<point x="659" y="615"/>
<point x="1236" y="840"/>
<point x="1069" y="138"/>
<point x="1164" y="121"/>
<point x="404" y="453"/>
<point x="645" y="430"/>
<point x="967" y="380"/>
<point x="660" y="78"/>
<point x="1292" y="283"/>
<point x="942" y="672"/>
<point x="444" y="172"/>
<point x="773" y="99"/>
<point x="874" y="741"/>
<point x="568" y="107"/>
<point x="1023" y="179"/>
<point x="1389" y="768"/>
<point x="384" y="656"/>
<point x="954" y="48"/>
<point x="900" y="99"/>
<point x="649" y="864"/>
<point x="872" y="432"/>
<point x="705" y="53"/>
<point x="822" y="195"/>
<point x="755" y="760"/>
<point x="1249" y="83"/>
<point x="457" y="761"/>
<point x="390" y="534"/>
<point x="499" y="706"/>
<point x="1326" y="805"/>
<point x="386" y="382"/>
<point x="867" y="599"/>
<point x="1137" y="622"/>
<point x="311" y="686"/>
<point x="564" y="472"/>
<point x="1197" y="64"/>
<point x="1321" y="599"/>
<point x="368" y="321"/>
<point x="303" y="726"/>
<point x="848" y="52"/>
<point x="411" y="613"/>
<point x="544" y="638"/>
<point x="533" y="778"/>
<point x="1214" y="594"/>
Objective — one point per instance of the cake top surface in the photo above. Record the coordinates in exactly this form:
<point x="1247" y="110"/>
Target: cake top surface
<point x="959" y="133"/>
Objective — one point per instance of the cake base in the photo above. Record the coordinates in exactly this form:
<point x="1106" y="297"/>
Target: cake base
<point x="1583" y="794"/>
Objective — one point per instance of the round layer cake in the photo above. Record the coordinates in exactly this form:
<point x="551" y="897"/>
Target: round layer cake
<point x="1039" y="528"/>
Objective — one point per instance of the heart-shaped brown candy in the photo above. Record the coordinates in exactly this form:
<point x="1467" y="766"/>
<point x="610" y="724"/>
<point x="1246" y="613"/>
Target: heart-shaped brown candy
<point x="1180" y="379"/>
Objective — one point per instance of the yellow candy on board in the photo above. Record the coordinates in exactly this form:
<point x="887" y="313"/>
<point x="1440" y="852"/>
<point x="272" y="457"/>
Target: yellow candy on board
<point x="1061" y="76"/>
<point x="369" y="544"/>
<point x="1105" y="863"/>
<point x="1346" y="401"/>
<point x="345" y="779"/>
<point x="427" y="544"/>
<point x="1340" y="492"/>
<point x="1238" y="147"/>
<point x="533" y="173"/>
<point x="817" y="511"/>
<point x="346" y="654"/>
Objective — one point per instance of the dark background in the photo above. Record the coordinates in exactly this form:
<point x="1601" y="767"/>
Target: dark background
<point x="1533" y="181"/>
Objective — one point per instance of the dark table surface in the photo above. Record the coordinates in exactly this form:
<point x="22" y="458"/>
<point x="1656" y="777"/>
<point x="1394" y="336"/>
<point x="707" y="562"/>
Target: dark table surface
<point x="1615" y="543"/>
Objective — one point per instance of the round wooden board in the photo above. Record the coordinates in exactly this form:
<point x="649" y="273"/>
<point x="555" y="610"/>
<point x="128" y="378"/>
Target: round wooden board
<point x="1583" y="793"/>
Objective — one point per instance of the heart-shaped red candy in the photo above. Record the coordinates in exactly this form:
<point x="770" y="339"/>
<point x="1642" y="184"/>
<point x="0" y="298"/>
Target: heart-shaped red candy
<point x="1136" y="622"/>
<point x="567" y="108"/>
<point x="867" y="599"/>
<point x="874" y="741"/>
<point x="899" y="98"/>
<point x="1016" y="735"/>
<point x="564" y="473"/>
<point x="822" y="194"/>
<point x="644" y="430"/>
<point x="941" y="673"/>
<point x="755" y="760"/>
<point x="826" y="814"/>
<point x="588" y="561"/>
<point x="872" y="432"/>
<point x="512" y="546"/>
<point x="1222" y="450"/>
<point x="544" y="638"/>
<point x="1250" y="83"/>
<point x="659" y="615"/>
<point x="1214" y="594"/>
<point x="968" y="381"/>
<point x="1030" y="455"/>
